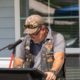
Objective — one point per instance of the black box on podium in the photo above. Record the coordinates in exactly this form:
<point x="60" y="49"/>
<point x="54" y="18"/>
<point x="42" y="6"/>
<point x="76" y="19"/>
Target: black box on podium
<point x="21" y="74"/>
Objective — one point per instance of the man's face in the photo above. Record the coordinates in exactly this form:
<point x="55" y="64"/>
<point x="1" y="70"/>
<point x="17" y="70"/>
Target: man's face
<point x="39" y="36"/>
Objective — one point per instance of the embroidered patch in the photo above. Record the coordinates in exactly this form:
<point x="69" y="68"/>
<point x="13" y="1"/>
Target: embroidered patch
<point x="49" y="45"/>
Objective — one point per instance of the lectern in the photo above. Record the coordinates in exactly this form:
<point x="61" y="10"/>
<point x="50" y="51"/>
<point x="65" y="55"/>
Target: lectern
<point x="21" y="74"/>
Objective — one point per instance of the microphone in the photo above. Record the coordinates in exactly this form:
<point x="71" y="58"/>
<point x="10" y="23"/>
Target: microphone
<point x="13" y="45"/>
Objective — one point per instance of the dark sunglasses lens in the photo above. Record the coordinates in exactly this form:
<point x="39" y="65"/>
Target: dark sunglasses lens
<point x="26" y="26"/>
<point x="30" y="26"/>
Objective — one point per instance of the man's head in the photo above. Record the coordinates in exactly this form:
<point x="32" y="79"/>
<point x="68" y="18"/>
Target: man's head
<point x="33" y="24"/>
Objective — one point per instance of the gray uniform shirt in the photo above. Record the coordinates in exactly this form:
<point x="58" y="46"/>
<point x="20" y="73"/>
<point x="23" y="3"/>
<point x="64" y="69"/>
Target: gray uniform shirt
<point x="57" y="39"/>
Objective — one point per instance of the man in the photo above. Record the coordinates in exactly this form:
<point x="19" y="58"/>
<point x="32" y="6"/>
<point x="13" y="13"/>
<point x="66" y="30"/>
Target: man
<point x="40" y="40"/>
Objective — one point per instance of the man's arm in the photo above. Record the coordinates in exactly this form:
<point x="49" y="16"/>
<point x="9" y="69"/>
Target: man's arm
<point x="56" y="66"/>
<point x="59" y="58"/>
<point x="59" y="53"/>
<point x="20" y="56"/>
<point x="18" y="62"/>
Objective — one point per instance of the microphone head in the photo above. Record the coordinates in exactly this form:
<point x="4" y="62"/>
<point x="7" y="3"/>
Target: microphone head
<point x="13" y="45"/>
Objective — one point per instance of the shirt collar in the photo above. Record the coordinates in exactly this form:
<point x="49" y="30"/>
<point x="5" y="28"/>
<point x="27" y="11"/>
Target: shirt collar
<point x="49" y="35"/>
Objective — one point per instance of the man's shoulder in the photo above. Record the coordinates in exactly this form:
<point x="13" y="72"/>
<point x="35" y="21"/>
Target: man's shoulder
<point x="57" y="34"/>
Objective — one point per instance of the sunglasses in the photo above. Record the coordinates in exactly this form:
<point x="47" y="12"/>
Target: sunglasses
<point x="37" y="32"/>
<point x="30" y="26"/>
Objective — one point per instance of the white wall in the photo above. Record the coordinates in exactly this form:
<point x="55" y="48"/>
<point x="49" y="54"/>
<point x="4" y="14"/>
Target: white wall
<point x="5" y="62"/>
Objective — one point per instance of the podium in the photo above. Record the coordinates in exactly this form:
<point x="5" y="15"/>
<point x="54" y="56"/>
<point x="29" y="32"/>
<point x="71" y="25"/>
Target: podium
<point x="21" y="74"/>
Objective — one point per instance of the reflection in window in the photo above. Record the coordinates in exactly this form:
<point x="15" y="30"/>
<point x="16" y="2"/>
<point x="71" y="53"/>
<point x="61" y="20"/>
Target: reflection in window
<point x="64" y="17"/>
